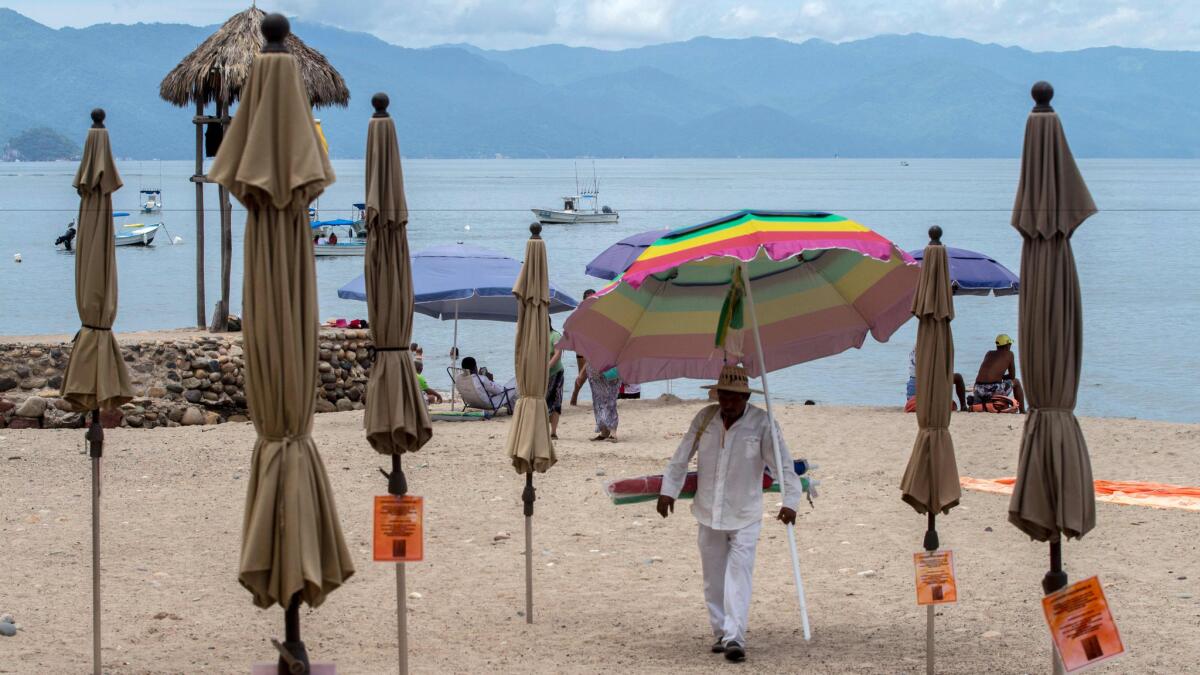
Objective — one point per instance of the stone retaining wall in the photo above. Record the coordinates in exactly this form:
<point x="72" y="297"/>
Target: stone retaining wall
<point x="195" y="380"/>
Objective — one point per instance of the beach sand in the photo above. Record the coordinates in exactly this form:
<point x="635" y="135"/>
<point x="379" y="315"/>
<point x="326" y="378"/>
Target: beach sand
<point x="172" y="511"/>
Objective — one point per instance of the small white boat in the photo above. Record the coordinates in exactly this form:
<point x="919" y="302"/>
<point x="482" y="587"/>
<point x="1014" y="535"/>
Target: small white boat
<point x="136" y="235"/>
<point x="150" y="201"/>
<point x="582" y="207"/>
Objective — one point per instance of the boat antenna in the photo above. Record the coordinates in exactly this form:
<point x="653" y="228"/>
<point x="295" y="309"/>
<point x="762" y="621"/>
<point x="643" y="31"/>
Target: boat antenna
<point x="595" y="180"/>
<point x="576" y="177"/>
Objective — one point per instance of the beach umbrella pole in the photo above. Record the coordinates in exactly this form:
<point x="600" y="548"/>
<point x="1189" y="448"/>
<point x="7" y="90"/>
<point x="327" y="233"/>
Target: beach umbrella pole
<point x="931" y="544"/>
<point x="528" y="496"/>
<point x="398" y="486"/>
<point x="95" y="439"/>
<point x="1055" y="579"/>
<point x="791" y="529"/>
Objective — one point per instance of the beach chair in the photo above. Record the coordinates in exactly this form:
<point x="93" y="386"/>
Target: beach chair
<point x="464" y="383"/>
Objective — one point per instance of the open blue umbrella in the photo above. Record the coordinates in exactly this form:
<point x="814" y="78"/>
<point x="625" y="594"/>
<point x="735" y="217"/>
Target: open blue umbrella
<point x="460" y="281"/>
<point x="614" y="260"/>
<point x="974" y="273"/>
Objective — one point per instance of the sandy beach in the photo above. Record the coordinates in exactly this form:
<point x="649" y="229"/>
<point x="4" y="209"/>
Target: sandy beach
<point x="616" y="587"/>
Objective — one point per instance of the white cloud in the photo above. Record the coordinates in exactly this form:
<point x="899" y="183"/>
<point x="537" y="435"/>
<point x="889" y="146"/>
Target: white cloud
<point x="1034" y="24"/>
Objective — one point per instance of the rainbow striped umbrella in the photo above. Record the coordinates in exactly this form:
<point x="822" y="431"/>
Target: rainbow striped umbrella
<point x="820" y="283"/>
<point x="807" y="285"/>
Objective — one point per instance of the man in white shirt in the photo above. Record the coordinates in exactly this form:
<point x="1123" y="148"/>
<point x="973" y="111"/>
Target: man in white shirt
<point x="732" y="452"/>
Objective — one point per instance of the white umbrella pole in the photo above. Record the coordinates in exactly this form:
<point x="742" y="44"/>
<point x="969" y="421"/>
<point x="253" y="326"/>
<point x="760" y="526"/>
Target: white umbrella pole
<point x="402" y="617"/>
<point x="780" y="468"/>
<point x="454" y="359"/>
<point x="96" y="668"/>
<point x="929" y="656"/>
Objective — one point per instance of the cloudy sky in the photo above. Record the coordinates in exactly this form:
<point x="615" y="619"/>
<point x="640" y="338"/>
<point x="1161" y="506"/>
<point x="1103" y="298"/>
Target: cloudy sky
<point x="1034" y="24"/>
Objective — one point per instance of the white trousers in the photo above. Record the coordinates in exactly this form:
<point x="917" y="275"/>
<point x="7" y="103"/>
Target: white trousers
<point x="727" y="558"/>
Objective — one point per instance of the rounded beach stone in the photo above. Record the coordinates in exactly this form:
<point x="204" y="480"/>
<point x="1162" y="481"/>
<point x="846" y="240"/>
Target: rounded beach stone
<point x="33" y="406"/>
<point x="324" y="406"/>
<point x="192" y="417"/>
<point x="7" y="629"/>
<point x="344" y="405"/>
<point x="193" y="395"/>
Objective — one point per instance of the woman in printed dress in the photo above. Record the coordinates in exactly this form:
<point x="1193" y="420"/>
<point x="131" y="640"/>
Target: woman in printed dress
<point x="604" y="404"/>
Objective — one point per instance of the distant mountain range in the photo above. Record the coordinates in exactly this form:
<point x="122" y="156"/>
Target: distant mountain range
<point x="888" y="96"/>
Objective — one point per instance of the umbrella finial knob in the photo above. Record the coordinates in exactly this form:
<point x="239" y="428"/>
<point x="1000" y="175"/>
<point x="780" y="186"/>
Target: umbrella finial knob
<point x="98" y="116"/>
<point x="935" y="235"/>
<point x="1042" y="92"/>
<point x="275" y="28"/>
<point x="535" y="230"/>
<point x="380" y="102"/>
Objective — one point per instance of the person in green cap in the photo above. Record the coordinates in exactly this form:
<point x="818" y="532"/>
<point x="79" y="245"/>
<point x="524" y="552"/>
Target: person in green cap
<point x="998" y="374"/>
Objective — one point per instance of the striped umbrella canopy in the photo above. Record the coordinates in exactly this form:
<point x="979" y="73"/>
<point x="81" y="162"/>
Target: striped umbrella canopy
<point x="820" y="283"/>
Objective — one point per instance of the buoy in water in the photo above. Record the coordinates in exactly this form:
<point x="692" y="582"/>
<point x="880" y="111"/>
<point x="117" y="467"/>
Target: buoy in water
<point x="17" y="257"/>
<point x="467" y="228"/>
<point x="178" y="239"/>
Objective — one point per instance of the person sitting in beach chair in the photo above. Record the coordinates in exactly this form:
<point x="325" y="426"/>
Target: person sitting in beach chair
<point x="478" y="388"/>
<point x="431" y="395"/>
<point x="732" y="443"/>
<point x="998" y="375"/>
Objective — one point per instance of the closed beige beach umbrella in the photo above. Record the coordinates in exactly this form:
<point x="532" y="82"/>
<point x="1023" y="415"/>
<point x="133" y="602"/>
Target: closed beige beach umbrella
<point x="529" y="445"/>
<point x="396" y="418"/>
<point x="95" y="377"/>
<point x="272" y="162"/>
<point x="930" y="482"/>
<point x="1054" y="493"/>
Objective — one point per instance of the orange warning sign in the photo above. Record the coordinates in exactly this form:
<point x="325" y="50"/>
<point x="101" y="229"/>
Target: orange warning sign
<point x="935" y="577"/>
<point x="399" y="531"/>
<point x="1081" y="625"/>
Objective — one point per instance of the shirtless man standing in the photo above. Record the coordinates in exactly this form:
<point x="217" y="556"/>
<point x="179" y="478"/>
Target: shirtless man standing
<point x="998" y="374"/>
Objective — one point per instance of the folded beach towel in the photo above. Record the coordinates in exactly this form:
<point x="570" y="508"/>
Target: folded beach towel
<point x="646" y="488"/>
<point x="459" y="416"/>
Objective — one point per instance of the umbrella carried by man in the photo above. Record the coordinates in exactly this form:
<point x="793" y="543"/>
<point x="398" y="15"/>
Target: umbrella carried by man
<point x="396" y="419"/>
<point x="1053" y="495"/>
<point x="95" y="378"/>
<point x="930" y="483"/>
<point x="825" y="282"/>
<point x="272" y="161"/>
<point x="529" y="446"/>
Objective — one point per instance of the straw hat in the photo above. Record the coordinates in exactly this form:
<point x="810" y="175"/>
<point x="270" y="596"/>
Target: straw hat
<point x="733" y="378"/>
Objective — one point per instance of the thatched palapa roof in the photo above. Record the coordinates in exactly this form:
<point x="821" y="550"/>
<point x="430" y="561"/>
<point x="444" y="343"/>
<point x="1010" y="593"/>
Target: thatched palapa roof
<point x="232" y="49"/>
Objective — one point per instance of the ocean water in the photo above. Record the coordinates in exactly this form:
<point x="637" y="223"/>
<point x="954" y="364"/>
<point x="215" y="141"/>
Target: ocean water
<point x="1136" y="257"/>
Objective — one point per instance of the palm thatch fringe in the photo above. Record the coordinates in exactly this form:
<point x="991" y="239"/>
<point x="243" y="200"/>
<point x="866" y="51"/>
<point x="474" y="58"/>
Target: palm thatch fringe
<point x="217" y="69"/>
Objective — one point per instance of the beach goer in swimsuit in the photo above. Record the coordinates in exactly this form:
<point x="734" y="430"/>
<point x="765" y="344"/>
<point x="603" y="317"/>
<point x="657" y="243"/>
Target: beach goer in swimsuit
<point x="581" y="363"/>
<point x="731" y="453"/>
<point x="998" y="374"/>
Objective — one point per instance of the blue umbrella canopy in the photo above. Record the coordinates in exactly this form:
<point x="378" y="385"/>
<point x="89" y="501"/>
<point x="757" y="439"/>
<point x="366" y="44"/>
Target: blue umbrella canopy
<point x="614" y="260"/>
<point x="973" y="273"/>
<point x="464" y="282"/>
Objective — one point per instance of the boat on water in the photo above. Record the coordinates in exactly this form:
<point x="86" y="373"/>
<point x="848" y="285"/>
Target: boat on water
<point x="132" y="234"/>
<point x="338" y="237"/>
<point x="136" y="235"/>
<point x="150" y="201"/>
<point x="323" y="228"/>
<point x="580" y="208"/>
